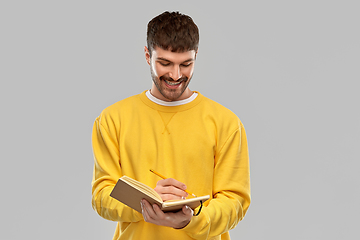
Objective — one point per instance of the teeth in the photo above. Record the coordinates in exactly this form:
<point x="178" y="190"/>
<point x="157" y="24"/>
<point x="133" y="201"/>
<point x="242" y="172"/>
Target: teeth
<point x="172" y="84"/>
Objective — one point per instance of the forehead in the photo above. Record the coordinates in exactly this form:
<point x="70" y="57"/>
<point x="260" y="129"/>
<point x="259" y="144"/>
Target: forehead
<point x="162" y="54"/>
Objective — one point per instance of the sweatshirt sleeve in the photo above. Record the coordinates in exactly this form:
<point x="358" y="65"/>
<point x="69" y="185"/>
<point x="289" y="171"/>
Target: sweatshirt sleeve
<point x="107" y="171"/>
<point x="231" y="190"/>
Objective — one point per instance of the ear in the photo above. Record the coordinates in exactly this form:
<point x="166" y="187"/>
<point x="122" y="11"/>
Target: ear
<point x="147" y="55"/>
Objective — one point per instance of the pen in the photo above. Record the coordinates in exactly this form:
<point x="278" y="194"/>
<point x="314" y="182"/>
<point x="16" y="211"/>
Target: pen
<point x="163" y="177"/>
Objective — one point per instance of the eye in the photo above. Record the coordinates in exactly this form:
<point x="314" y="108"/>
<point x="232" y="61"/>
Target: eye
<point x="186" y="65"/>
<point x="164" y="64"/>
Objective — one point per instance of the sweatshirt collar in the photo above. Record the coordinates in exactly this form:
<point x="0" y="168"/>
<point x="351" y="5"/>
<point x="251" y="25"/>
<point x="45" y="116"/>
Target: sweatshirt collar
<point x="177" y="108"/>
<point x="173" y="103"/>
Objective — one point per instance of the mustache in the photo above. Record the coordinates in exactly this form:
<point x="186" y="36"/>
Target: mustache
<point x="169" y="79"/>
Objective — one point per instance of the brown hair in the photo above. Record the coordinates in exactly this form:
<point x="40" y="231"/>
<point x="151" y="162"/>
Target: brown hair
<point x="172" y="31"/>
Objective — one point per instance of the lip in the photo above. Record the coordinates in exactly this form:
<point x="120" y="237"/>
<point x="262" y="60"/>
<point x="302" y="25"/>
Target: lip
<point x="173" y="86"/>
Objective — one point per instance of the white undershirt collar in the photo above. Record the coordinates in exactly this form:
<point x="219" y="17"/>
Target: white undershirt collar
<point x="173" y="103"/>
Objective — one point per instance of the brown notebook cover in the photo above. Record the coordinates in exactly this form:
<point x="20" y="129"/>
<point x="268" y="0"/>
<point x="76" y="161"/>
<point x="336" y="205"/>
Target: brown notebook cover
<point x="130" y="192"/>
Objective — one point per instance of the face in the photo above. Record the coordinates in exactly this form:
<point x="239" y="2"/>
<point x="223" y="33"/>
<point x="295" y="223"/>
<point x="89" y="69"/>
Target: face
<point x="171" y="73"/>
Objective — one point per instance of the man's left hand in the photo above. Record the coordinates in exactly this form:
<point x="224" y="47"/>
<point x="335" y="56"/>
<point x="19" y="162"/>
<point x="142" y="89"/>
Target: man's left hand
<point x="153" y="214"/>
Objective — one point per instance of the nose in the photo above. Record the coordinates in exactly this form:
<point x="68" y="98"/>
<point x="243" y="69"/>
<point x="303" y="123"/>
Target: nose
<point x="175" y="73"/>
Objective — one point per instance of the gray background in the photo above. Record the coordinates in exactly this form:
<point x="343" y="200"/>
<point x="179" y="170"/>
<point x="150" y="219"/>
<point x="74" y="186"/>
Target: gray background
<point x="288" y="69"/>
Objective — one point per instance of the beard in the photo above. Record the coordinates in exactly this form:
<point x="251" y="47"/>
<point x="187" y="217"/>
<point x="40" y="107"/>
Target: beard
<point x="170" y="94"/>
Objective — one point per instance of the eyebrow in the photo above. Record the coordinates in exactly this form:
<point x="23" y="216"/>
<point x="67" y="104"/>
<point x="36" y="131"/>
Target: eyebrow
<point x="166" y="60"/>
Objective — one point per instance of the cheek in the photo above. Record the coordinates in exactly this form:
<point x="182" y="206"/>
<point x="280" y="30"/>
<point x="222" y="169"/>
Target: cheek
<point x="155" y="72"/>
<point x="188" y="72"/>
<point x="158" y="71"/>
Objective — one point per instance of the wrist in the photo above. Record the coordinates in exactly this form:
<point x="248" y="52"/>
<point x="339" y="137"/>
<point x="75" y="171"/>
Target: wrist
<point x="188" y="214"/>
<point x="182" y="225"/>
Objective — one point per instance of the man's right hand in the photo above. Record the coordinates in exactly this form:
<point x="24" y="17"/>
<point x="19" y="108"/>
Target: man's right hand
<point x="171" y="189"/>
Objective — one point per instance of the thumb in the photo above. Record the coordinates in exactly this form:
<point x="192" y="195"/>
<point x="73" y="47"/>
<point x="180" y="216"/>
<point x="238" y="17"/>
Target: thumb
<point x="187" y="210"/>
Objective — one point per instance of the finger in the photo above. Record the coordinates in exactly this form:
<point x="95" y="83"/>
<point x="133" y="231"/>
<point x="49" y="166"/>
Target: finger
<point x="158" y="212"/>
<point x="172" y="182"/>
<point x="144" y="212"/>
<point x="170" y="192"/>
<point x="172" y="187"/>
<point x="171" y="197"/>
<point x="149" y="210"/>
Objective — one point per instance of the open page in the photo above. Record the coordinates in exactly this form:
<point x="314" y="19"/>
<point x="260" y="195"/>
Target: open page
<point x="130" y="192"/>
<point x="142" y="187"/>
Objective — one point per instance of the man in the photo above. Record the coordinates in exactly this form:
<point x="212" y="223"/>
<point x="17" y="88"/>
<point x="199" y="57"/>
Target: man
<point x="195" y="141"/>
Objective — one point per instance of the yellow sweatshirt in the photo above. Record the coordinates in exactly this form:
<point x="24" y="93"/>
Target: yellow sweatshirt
<point x="201" y="144"/>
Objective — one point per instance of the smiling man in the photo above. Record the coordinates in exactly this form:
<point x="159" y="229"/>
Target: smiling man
<point x="180" y="133"/>
<point x="171" y="73"/>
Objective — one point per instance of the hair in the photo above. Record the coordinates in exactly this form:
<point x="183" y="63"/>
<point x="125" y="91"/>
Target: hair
<point x="172" y="31"/>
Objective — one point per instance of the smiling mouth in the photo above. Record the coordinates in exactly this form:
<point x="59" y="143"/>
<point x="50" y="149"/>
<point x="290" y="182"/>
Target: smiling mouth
<point x="172" y="83"/>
